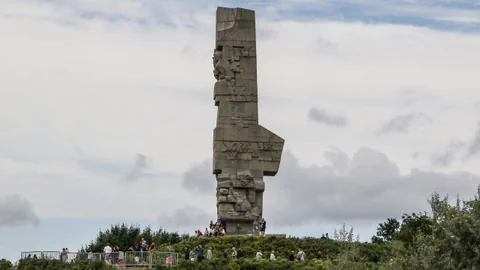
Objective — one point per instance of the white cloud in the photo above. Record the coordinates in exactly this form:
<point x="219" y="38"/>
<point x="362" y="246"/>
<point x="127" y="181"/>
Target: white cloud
<point x="74" y="77"/>
<point x="364" y="189"/>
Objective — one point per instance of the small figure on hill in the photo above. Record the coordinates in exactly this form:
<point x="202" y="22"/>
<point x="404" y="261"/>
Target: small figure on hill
<point x="291" y="257"/>
<point x="221" y="231"/>
<point x="192" y="255"/>
<point x="206" y="233"/>
<point x="200" y="251"/>
<point x="323" y="236"/>
<point x="320" y="255"/>
<point x="255" y="227"/>
<point x="169" y="260"/>
<point x="121" y="256"/>
<point x="240" y="253"/>
<point x="211" y="224"/>
<point x="143" y="245"/>
<point x="199" y="233"/>
<point x="209" y="253"/>
<point x="151" y="247"/>
<point x="326" y="236"/>
<point x="107" y="250"/>
<point x="30" y="256"/>
<point x="223" y="223"/>
<point x="35" y="256"/>
<point x="63" y="254"/>
<point x="301" y="255"/>
<point x="234" y="253"/>
<point x="259" y="255"/>
<point x="187" y="254"/>
<point x="263" y="227"/>
<point x="225" y="254"/>
<point x="272" y="255"/>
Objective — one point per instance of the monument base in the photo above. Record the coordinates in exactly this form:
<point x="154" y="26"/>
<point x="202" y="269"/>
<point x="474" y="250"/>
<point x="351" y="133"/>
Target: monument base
<point x="240" y="227"/>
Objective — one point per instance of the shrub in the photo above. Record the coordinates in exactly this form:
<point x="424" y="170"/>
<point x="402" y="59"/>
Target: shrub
<point x="5" y="264"/>
<point x="45" y="264"/>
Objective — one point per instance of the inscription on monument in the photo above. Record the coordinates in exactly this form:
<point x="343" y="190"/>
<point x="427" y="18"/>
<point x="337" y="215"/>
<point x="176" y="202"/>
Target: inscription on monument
<point x="243" y="151"/>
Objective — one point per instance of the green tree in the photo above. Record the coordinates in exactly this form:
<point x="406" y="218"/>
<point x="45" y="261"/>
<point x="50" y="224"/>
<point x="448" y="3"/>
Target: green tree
<point x="126" y="236"/>
<point x="5" y="264"/>
<point x="386" y="231"/>
<point x="448" y="240"/>
<point x="414" y="225"/>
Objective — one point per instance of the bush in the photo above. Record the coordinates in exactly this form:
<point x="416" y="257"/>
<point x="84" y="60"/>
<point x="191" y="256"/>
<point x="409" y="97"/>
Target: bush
<point x="45" y="264"/>
<point x="249" y="264"/>
<point x="5" y="264"/>
<point x="330" y="249"/>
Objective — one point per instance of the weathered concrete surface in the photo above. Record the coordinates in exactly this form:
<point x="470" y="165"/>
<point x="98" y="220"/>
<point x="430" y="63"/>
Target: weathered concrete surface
<point x="243" y="151"/>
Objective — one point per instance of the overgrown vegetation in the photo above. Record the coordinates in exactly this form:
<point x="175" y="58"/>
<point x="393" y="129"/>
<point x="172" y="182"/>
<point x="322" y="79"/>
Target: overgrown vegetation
<point x="446" y="238"/>
<point x="5" y="264"/>
<point x="128" y="236"/>
<point x="41" y="264"/>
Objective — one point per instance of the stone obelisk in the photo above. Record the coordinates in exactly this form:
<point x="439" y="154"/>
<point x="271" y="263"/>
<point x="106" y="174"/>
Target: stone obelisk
<point x="243" y="151"/>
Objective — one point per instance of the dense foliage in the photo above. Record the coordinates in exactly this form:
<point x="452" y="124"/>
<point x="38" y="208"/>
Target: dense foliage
<point x="5" y="264"/>
<point x="45" y="264"/>
<point x="126" y="236"/>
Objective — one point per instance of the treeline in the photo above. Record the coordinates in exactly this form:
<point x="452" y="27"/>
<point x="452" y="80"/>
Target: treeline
<point x="128" y="236"/>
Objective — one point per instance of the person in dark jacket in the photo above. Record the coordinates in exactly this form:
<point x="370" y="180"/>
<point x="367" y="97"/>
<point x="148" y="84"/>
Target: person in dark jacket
<point x="187" y="254"/>
<point x="199" y="253"/>
<point x="225" y="254"/>
<point x="240" y="253"/>
<point x="263" y="227"/>
<point x="291" y="257"/>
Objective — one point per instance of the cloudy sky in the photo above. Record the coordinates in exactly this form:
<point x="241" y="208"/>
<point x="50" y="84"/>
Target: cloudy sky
<point x="106" y="113"/>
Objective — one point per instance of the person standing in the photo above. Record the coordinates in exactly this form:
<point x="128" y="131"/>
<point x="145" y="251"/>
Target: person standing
<point x="200" y="251"/>
<point x="272" y="255"/>
<point x="255" y="227"/>
<point x="263" y="227"/>
<point x="259" y="255"/>
<point x="108" y="251"/>
<point x="301" y="255"/>
<point x="209" y="253"/>
<point x="192" y="256"/>
<point x="234" y="253"/>
<point x="187" y="254"/>
<point x="169" y="260"/>
<point x="291" y="257"/>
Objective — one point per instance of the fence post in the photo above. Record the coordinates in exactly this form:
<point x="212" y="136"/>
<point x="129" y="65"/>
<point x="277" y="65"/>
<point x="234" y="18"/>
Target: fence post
<point x="150" y="260"/>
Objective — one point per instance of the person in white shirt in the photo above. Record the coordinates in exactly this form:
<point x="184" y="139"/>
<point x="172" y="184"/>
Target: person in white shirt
<point x="272" y="255"/>
<point x="209" y="253"/>
<point x="234" y="253"/>
<point x="259" y="255"/>
<point x="301" y="255"/>
<point x="107" y="250"/>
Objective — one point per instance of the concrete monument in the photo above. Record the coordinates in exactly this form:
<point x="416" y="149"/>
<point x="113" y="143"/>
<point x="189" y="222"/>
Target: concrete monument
<point x="243" y="151"/>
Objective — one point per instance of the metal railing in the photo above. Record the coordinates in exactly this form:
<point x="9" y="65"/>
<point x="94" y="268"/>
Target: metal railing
<point x="128" y="258"/>
<point x="50" y="255"/>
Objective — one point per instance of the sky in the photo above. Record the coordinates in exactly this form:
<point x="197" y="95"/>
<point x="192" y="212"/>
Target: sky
<point x="107" y="113"/>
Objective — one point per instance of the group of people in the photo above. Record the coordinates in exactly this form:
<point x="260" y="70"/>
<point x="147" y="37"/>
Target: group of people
<point x="237" y="254"/>
<point x="142" y="251"/>
<point x="190" y="253"/>
<point x="219" y="228"/>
